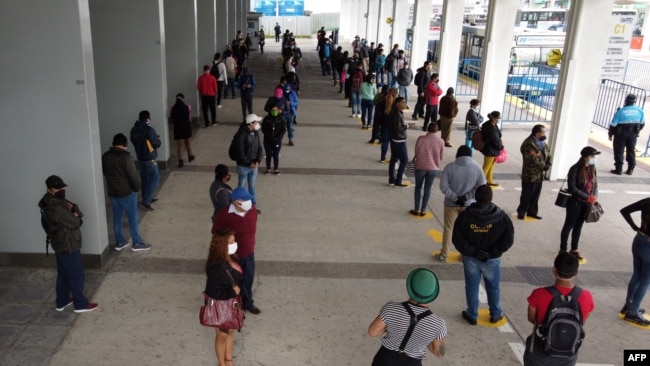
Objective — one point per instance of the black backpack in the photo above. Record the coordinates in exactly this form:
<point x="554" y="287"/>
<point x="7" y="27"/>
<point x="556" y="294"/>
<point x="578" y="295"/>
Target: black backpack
<point x="418" y="78"/>
<point x="46" y="228"/>
<point x="232" y="150"/>
<point x="561" y="333"/>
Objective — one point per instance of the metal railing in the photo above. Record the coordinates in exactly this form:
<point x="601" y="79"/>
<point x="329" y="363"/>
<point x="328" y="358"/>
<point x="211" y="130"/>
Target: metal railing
<point x="637" y="73"/>
<point x="469" y="71"/>
<point x="611" y="96"/>
<point x="530" y="92"/>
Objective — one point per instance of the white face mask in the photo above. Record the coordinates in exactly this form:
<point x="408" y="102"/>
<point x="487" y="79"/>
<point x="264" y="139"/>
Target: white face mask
<point x="232" y="248"/>
<point x="592" y="161"/>
<point x="257" y="126"/>
<point x="246" y="205"/>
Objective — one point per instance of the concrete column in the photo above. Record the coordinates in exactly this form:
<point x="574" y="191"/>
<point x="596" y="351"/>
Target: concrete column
<point x="421" y="19"/>
<point x="345" y="22"/>
<point x="182" y="52"/>
<point x="384" y="29"/>
<point x="206" y="25"/>
<point x="232" y="15"/>
<point x="400" y="21"/>
<point x="50" y="125"/>
<point x="586" y="38"/>
<point x="450" y="36"/>
<point x="645" y="46"/>
<point x="496" y="54"/>
<point x="130" y="67"/>
<point x="354" y="19"/>
<point x="223" y="27"/>
<point x="362" y="20"/>
<point x="372" y="21"/>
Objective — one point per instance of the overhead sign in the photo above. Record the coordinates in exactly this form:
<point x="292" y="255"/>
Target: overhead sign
<point x="279" y="7"/>
<point x="551" y="40"/>
<point x="618" y="46"/>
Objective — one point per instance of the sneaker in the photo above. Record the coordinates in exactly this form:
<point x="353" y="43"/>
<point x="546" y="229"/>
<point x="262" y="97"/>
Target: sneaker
<point x="277" y="172"/>
<point x="624" y="310"/>
<point x="120" y="246"/>
<point x="637" y="318"/>
<point x="467" y="318"/>
<point x="91" y="306"/>
<point x="65" y="306"/>
<point x="147" y="206"/>
<point x="616" y="171"/>
<point x="381" y="161"/>
<point x="391" y="183"/>
<point x="267" y="172"/>
<point x="414" y="212"/>
<point x="401" y="186"/>
<point x="496" y="319"/>
<point x="140" y="247"/>
<point x="440" y="258"/>
<point x="219" y="106"/>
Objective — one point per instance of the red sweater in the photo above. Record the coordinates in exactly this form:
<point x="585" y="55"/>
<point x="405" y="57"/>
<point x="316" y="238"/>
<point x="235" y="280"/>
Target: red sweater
<point x="244" y="228"/>
<point x="432" y="93"/>
<point x="207" y="85"/>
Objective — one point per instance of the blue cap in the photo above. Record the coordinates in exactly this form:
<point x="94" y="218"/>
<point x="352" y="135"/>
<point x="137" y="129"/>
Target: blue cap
<point x="241" y="194"/>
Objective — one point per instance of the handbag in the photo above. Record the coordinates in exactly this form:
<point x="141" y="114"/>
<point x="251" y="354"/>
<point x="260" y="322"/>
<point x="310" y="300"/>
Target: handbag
<point x="563" y="196"/>
<point x="224" y="314"/>
<point x="502" y="157"/>
<point x="410" y="166"/>
<point x="594" y="212"/>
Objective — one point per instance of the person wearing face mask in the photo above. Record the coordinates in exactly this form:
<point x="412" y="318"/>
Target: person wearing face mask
<point x="64" y="223"/>
<point x="146" y="142"/>
<point x="583" y="186"/>
<point x="241" y="217"/>
<point x="220" y="191"/>
<point x="224" y="281"/>
<point x="473" y="121"/>
<point x="536" y="161"/>
<point x="404" y="79"/>
<point x="273" y="127"/>
<point x="493" y="145"/>
<point x="248" y="153"/>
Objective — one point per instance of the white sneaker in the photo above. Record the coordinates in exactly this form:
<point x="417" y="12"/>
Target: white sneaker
<point x="219" y="106"/>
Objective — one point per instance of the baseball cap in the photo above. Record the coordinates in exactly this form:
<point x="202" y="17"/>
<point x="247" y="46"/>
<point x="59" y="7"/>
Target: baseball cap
<point x="252" y="118"/>
<point x="54" y="181"/>
<point x="589" y="151"/>
<point x="241" y="194"/>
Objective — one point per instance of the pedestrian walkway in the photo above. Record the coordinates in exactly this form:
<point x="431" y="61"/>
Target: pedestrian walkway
<point x="334" y="243"/>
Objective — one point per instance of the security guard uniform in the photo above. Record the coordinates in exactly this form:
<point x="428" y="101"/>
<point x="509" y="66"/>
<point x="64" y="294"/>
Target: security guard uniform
<point x="624" y="128"/>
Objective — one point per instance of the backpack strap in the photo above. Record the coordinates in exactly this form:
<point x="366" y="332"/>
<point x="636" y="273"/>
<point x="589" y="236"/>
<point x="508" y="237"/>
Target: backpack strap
<point x="572" y="297"/>
<point x="414" y="320"/>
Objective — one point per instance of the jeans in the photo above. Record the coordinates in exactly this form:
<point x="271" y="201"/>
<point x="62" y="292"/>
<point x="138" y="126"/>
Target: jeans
<point x="403" y="91"/>
<point x="391" y="79"/>
<point x="640" y="280"/>
<point x="70" y="278"/>
<point x="272" y="151"/>
<point x="423" y="178"/>
<point x="367" y="107"/>
<point x="431" y="115"/>
<point x="355" y="95"/>
<point x="130" y="205"/>
<point x="379" y="77"/>
<point x="207" y="102"/>
<point x="149" y="177"/>
<point x="491" y="271"/>
<point x="290" y="130"/>
<point x="247" y="175"/>
<point x="385" y="140"/>
<point x="231" y="86"/>
<point x="575" y="217"/>
<point x="248" y="267"/>
<point x="399" y="152"/>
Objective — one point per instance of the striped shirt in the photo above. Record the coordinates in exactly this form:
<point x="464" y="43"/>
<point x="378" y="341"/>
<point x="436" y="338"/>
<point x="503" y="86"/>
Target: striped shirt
<point x="397" y="321"/>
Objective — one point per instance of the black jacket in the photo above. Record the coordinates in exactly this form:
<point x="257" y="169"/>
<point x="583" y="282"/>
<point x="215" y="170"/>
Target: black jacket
<point x="248" y="146"/>
<point x="118" y="167"/>
<point x="140" y="134"/>
<point x="492" y="139"/>
<point x="218" y="285"/>
<point x="274" y="128"/>
<point x="483" y="227"/>
<point x="575" y="181"/>
<point x="396" y="122"/>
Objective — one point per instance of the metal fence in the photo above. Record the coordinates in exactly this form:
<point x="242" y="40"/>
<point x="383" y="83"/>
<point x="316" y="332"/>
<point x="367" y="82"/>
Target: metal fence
<point x="530" y="93"/>
<point x="469" y="72"/>
<point x="637" y="73"/>
<point x="611" y="95"/>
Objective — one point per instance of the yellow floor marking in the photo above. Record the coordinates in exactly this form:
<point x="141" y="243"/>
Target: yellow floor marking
<point x="435" y="235"/>
<point x="635" y="324"/>
<point x="484" y="319"/>
<point x="526" y="218"/>
<point x="452" y="257"/>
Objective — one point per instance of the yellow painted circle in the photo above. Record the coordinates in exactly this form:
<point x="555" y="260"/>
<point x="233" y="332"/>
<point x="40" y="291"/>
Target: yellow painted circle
<point x="634" y="324"/>
<point x="484" y="319"/>
<point x="526" y="218"/>
<point x="452" y="257"/>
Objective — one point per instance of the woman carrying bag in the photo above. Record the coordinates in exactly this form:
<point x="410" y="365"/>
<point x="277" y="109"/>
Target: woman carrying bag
<point x="224" y="282"/>
<point x="492" y="147"/>
<point x="582" y="184"/>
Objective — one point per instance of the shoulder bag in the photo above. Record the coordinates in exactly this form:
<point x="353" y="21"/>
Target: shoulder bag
<point x="224" y="314"/>
<point x="563" y="196"/>
<point x="594" y="212"/>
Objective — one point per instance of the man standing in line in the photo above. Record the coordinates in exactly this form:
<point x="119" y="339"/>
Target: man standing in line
<point x="624" y="130"/>
<point x="536" y="157"/>
<point x="458" y="183"/>
<point x="448" y="111"/>
<point x="146" y="141"/>
<point x="241" y="217"/>
<point x="220" y="191"/>
<point x="431" y="95"/>
<point x="277" y="30"/>
<point x="422" y="77"/>
<point x="63" y="222"/>
<point x="221" y="74"/>
<point x="123" y="184"/>
<point x="207" y="87"/>
<point x="246" y="89"/>
<point x="565" y="269"/>
<point x="482" y="233"/>
<point x="248" y="150"/>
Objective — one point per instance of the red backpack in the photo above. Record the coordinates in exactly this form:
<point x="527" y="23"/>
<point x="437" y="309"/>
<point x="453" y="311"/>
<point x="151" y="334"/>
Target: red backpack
<point x="357" y="79"/>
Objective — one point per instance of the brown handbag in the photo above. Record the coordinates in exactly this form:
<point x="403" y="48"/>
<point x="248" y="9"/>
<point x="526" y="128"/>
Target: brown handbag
<point x="223" y="314"/>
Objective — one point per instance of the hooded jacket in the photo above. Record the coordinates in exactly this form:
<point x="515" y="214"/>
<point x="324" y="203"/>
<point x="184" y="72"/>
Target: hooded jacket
<point x="247" y="82"/>
<point x="118" y="167"/>
<point x="274" y="128"/>
<point x="460" y="179"/>
<point x="63" y="224"/>
<point x="483" y="226"/>
<point x="140" y="134"/>
<point x="492" y="138"/>
<point x="248" y="147"/>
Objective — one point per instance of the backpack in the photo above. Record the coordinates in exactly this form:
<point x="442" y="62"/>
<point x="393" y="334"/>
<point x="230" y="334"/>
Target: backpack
<point x="418" y="78"/>
<point x="357" y="79"/>
<point x="46" y="228"/>
<point x="561" y="333"/>
<point x="232" y="150"/>
<point x="326" y="50"/>
<point x="390" y="62"/>
<point x="477" y="140"/>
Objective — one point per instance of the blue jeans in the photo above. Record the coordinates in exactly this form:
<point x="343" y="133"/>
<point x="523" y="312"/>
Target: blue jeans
<point x="248" y="267"/>
<point x="290" y="130"/>
<point x="149" y="177"/>
<point x="399" y="152"/>
<point x="70" y="279"/>
<point x="356" y="101"/>
<point x="379" y="77"/>
<point x="231" y="86"/>
<point x="130" y="205"/>
<point x="491" y="271"/>
<point x="391" y="79"/>
<point x="403" y="91"/>
<point x="423" y="177"/>
<point x="385" y="140"/>
<point x="367" y="106"/>
<point x="247" y="175"/>
<point x="640" y="280"/>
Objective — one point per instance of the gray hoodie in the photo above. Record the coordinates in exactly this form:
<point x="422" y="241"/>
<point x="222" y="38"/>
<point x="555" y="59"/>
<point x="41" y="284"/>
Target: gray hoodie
<point x="460" y="179"/>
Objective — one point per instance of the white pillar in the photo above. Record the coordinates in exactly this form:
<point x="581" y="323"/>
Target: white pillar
<point x="354" y="20"/>
<point x="182" y="53"/>
<point x="450" y="36"/>
<point x="645" y="46"/>
<point x="577" y="92"/>
<point x="362" y="20"/>
<point x="345" y="22"/>
<point x="372" y="21"/>
<point x="400" y="21"/>
<point x="232" y="19"/>
<point x="421" y="19"/>
<point x="222" y="20"/>
<point x="384" y="29"/>
<point x="49" y="124"/>
<point x="206" y="25"/>
<point x="499" y="33"/>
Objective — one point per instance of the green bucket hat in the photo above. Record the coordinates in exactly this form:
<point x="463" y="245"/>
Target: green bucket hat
<point x="422" y="285"/>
